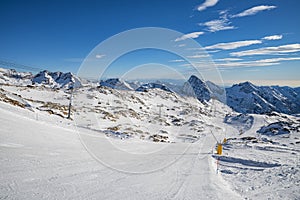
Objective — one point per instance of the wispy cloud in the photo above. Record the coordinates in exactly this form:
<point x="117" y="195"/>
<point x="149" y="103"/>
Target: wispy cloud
<point x="213" y="51"/>
<point x="290" y="48"/>
<point x="220" y="24"/>
<point x="206" y="4"/>
<point x="187" y="65"/>
<point x="256" y="63"/>
<point x="193" y="35"/>
<point x="198" y="56"/>
<point x="99" y="56"/>
<point x="228" y="59"/>
<point x="233" y="45"/>
<point x="253" y="11"/>
<point x="279" y="59"/>
<point x="181" y="45"/>
<point x="199" y="65"/>
<point x="273" y="37"/>
<point x="245" y="64"/>
<point x="178" y="60"/>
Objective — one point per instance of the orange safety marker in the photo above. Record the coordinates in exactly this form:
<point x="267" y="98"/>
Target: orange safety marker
<point x="219" y="149"/>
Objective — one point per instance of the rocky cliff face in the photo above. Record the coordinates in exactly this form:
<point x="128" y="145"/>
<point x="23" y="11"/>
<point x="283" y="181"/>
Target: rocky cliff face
<point x="197" y="88"/>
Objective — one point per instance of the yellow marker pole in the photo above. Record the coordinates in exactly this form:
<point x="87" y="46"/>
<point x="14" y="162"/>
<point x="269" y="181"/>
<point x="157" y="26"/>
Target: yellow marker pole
<point x="219" y="149"/>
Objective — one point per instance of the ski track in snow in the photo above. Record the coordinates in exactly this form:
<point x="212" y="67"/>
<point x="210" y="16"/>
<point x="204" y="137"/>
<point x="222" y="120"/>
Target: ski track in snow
<point x="43" y="161"/>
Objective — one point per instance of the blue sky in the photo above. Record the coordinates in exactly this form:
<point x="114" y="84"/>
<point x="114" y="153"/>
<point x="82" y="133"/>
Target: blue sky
<point x="248" y="40"/>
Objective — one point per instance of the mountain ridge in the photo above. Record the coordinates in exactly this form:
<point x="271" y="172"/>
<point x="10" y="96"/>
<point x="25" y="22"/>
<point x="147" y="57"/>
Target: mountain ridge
<point x="243" y="97"/>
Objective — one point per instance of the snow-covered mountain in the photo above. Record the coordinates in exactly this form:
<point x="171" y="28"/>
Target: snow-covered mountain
<point x="244" y="97"/>
<point x="148" y="86"/>
<point x="248" y="98"/>
<point x="11" y="76"/>
<point x="197" y="88"/>
<point x="135" y="84"/>
<point x="56" y="79"/>
<point x="217" y="92"/>
<point x="44" y="78"/>
<point x="116" y="83"/>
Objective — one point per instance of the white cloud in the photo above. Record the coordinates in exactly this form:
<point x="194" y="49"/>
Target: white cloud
<point x="206" y="4"/>
<point x="290" y="48"/>
<point x="223" y="12"/>
<point x="212" y="51"/>
<point x="256" y="63"/>
<point x="98" y="56"/>
<point x="279" y="59"/>
<point x="218" y="24"/>
<point x="254" y="10"/>
<point x="178" y="60"/>
<point x="228" y="59"/>
<point x="187" y="65"/>
<point x="273" y="37"/>
<point x="233" y="45"/>
<point x="245" y="64"/>
<point x="189" y="35"/>
<point x="199" y="56"/>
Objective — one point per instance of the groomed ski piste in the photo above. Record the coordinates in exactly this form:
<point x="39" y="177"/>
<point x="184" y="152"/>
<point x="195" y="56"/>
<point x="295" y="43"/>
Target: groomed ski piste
<point x="131" y="150"/>
<point x="41" y="160"/>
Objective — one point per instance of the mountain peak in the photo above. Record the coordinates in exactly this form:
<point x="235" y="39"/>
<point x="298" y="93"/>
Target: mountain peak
<point x="56" y="79"/>
<point x="116" y="83"/>
<point x="147" y="86"/>
<point x="198" y="88"/>
<point x="246" y="87"/>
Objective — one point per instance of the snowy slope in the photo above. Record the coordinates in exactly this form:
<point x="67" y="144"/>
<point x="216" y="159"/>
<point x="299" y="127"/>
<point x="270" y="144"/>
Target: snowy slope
<point x="43" y="161"/>
<point x="263" y="162"/>
<point x="40" y="160"/>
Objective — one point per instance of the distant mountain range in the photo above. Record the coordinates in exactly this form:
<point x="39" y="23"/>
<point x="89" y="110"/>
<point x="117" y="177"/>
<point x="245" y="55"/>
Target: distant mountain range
<point x="45" y="78"/>
<point x="243" y="97"/>
<point x="248" y="98"/>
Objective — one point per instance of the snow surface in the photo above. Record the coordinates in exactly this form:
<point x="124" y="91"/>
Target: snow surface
<point x="43" y="161"/>
<point x="140" y="145"/>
